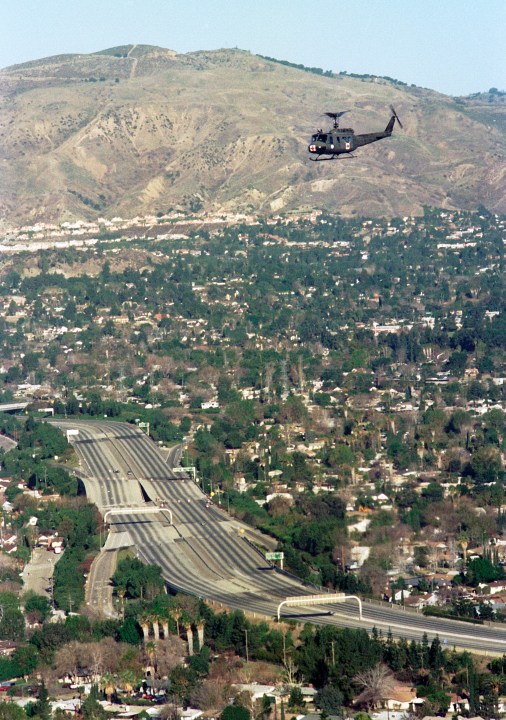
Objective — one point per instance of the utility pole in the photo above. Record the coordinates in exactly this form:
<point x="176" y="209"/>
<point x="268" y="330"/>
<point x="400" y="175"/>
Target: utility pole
<point x="51" y="595"/>
<point x="247" y="653"/>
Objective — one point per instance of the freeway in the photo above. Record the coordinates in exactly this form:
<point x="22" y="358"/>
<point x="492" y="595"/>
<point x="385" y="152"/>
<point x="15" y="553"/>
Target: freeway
<point x="201" y="551"/>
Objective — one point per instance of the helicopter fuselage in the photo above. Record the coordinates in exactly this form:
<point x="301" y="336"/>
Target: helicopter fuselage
<point x="333" y="142"/>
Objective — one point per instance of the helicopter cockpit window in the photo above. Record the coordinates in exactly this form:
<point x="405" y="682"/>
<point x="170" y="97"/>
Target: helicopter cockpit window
<point x="322" y="137"/>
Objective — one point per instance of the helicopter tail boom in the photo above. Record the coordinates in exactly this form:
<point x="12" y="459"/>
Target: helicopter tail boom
<point x="389" y="128"/>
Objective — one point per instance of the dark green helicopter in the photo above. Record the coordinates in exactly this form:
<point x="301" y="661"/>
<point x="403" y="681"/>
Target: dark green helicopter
<point x="343" y="141"/>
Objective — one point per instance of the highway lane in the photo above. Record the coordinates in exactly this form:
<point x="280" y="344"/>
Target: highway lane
<point x="106" y="477"/>
<point x="99" y="590"/>
<point x="202" y="552"/>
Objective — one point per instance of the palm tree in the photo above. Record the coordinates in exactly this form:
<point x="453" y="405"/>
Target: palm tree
<point x="177" y="617"/>
<point x="144" y="621"/>
<point x="155" y="619"/>
<point x="164" y="621"/>
<point x="200" y="633"/>
<point x="150" y="649"/>
<point x="107" y="685"/>
<point x="189" y="635"/>
<point x="464" y="542"/>
<point x="128" y="681"/>
<point x="121" y="592"/>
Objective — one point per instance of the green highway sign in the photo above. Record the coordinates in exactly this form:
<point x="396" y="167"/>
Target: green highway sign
<point x="274" y="556"/>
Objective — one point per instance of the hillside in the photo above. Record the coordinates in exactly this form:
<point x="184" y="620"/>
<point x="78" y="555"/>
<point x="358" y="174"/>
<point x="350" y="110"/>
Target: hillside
<point x="139" y="129"/>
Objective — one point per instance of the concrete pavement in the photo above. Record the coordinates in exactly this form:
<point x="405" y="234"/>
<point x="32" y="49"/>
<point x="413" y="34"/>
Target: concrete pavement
<point x="99" y="589"/>
<point x="38" y="573"/>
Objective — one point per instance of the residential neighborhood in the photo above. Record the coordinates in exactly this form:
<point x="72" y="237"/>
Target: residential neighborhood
<point x="350" y="408"/>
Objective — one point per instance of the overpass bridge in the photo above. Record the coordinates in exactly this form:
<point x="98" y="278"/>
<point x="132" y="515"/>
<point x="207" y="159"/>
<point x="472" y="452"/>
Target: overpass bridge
<point x="9" y="407"/>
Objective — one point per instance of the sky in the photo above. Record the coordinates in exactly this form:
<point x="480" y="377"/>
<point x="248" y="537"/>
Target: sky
<point x="456" y="47"/>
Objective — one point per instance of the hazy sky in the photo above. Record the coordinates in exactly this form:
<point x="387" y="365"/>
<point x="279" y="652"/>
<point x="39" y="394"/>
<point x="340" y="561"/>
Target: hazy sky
<point x="454" y="46"/>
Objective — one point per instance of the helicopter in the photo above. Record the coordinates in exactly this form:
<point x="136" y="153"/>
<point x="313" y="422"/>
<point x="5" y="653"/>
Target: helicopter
<point x="343" y="141"/>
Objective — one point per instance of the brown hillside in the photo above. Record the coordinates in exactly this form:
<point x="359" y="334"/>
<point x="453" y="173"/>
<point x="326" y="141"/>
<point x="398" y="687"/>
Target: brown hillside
<point x="139" y="129"/>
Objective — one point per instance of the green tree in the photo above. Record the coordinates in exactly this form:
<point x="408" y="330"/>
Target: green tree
<point x="138" y="579"/>
<point x="91" y="708"/>
<point x="235" y="712"/>
<point x="433" y="492"/>
<point x="296" y="699"/>
<point x="42" y="706"/>
<point x="130" y="632"/>
<point x="12" y="625"/>
<point x="486" y="465"/>
<point x="330" y="700"/>
<point x="26" y="659"/>
<point x="482" y="570"/>
<point x="38" y="604"/>
<point x="11" y="711"/>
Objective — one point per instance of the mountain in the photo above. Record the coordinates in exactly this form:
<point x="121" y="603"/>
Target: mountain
<point x="140" y="129"/>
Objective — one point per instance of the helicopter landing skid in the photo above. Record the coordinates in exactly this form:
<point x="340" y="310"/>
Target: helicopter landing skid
<point x="332" y="157"/>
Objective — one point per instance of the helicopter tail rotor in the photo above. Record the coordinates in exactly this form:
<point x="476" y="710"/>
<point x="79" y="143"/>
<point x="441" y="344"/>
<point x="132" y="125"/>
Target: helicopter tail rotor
<point x="394" y="114"/>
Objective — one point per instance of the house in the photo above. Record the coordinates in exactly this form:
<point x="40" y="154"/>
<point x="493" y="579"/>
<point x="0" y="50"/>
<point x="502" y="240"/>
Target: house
<point x="402" y="697"/>
<point x="256" y="690"/>
<point x="360" y="526"/>
<point x="286" y="495"/>
<point x="7" y="647"/>
<point x="359" y="554"/>
<point x="458" y="704"/>
<point x="418" y="602"/>
<point x="498" y="586"/>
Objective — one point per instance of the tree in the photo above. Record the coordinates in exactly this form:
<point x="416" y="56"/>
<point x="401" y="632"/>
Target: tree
<point x="12" y="624"/>
<point x="68" y="659"/>
<point x="37" y="605"/>
<point x="330" y="700"/>
<point x="129" y="680"/>
<point x="91" y="708"/>
<point x="296" y="699"/>
<point x="26" y="658"/>
<point x="235" y="712"/>
<point x="107" y="685"/>
<point x="457" y="363"/>
<point x="483" y="570"/>
<point x="138" y="579"/>
<point x="11" y="711"/>
<point x="486" y="465"/>
<point x="129" y="632"/>
<point x="42" y="706"/>
<point x="376" y="683"/>
<point x="211" y="694"/>
<point x="433" y="492"/>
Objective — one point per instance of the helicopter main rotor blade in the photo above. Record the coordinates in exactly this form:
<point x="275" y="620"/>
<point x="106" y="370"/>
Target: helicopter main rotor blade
<point x="336" y="115"/>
